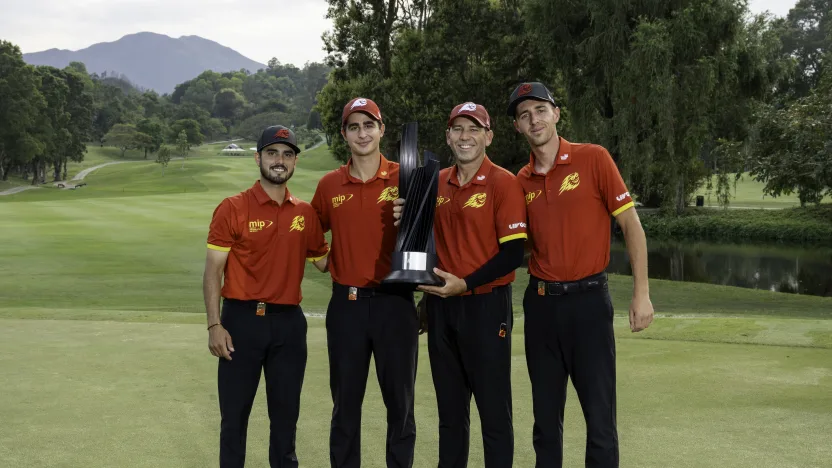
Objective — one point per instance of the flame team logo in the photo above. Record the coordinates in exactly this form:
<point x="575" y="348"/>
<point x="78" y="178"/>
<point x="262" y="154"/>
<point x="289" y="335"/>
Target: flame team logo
<point x="282" y="133"/>
<point x="524" y="90"/>
<point x="257" y="225"/>
<point x="340" y="200"/>
<point x="388" y="194"/>
<point x="570" y="182"/>
<point x="477" y="200"/>
<point x="441" y="201"/>
<point x="297" y="224"/>
<point x="531" y="196"/>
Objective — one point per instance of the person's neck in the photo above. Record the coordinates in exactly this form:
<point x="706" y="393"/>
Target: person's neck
<point x="365" y="167"/>
<point x="546" y="155"/>
<point x="466" y="171"/>
<point x="274" y="191"/>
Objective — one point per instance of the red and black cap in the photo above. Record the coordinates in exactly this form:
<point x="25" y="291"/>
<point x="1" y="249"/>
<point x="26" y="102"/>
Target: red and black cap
<point x="360" y="104"/>
<point x="473" y="111"/>
<point x="277" y="134"/>
<point x="533" y="90"/>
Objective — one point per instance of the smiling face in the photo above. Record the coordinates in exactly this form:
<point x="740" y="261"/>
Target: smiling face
<point x="537" y="120"/>
<point x="276" y="162"/>
<point x="467" y="139"/>
<point x="363" y="133"/>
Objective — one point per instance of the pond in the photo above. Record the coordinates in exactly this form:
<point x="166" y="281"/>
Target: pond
<point x="773" y="267"/>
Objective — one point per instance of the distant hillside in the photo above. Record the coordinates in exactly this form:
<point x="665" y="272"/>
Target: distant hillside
<point x="150" y="60"/>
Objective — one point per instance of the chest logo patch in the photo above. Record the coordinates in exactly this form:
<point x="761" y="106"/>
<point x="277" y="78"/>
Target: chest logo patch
<point x="257" y="225"/>
<point x="388" y="194"/>
<point x="477" y="200"/>
<point x="297" y="224"/>
<point x="441" y="201"/>
<point x="340" y="200"/>
<point x="570" y="182"/>
<point x="531" y="196"/>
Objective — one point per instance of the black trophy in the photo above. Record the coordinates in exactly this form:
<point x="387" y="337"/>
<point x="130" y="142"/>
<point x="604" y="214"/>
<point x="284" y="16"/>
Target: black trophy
<point x="415" y="256"/>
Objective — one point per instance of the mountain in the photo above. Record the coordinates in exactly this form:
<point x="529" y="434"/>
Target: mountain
<point x="150" y="60"/>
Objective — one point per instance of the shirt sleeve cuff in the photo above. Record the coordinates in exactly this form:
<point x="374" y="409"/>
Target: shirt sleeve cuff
<point x="522" y="235"/>
<point x="219" y="248"/>
<point x="623" y="208"/>
<point x="315" y="259"/>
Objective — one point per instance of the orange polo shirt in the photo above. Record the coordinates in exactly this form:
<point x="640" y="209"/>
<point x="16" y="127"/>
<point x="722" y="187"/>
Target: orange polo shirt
<point x="267" y="245"/>
<point x="360" y="215"/>
<point x="472" y="220"/>
<point x="569" y="211"/>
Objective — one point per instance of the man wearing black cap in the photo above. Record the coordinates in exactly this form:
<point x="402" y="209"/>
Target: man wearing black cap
<point x="258" y="242"/>
<point x="571" y="191"/>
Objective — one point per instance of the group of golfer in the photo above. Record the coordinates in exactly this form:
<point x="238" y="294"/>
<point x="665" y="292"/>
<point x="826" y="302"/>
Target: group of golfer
<point x="558" y="208"/>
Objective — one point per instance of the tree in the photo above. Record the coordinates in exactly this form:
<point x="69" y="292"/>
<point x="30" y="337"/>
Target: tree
<point x="806" y="33"/>
<point x="123" y="137"/>
<point x="647" y="80"/>
<point x="192" y="129"/>
<point x="163" y="157"/>
<point x="182" y="146"/>
<point x="22" y="104"/>
<point x="155" y="130"/>
<point x="228" y="103"/>
<point x="52" y="123"/>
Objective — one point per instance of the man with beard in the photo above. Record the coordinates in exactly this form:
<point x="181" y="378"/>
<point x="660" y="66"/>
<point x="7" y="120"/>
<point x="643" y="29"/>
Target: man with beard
<point x="363" y="318"/>
<point x="572" y="190"/>
<point x="257" y="242"/>
<point x="480" y="229"/>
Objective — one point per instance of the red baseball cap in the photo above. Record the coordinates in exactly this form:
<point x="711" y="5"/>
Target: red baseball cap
<point x="474" y="111"/>
<point x="360" y="104"/>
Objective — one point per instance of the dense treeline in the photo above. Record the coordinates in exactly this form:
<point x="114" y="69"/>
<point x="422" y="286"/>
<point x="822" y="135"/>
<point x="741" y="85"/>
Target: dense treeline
<point x="677" y="90"/>
<point x="48" y="116"/>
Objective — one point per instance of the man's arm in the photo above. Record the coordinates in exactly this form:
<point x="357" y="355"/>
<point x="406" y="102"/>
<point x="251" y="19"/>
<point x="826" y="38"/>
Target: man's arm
<point x="641" y="309"/>
<point x="219" y="341"/>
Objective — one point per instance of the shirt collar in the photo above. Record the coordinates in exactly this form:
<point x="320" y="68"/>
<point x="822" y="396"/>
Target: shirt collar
<point x="564" y="156"/>
<point x="262" y="197"/>
<point x="480" y="178"/>
<point x="383" y="172"/>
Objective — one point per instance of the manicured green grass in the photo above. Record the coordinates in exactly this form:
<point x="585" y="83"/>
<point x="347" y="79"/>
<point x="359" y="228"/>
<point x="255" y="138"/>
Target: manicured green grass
<point x="748" y="193"/>
<point x="105" y="363"/>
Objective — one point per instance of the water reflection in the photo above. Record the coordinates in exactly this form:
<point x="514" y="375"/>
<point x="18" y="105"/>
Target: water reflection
<point x="773" y="267"/>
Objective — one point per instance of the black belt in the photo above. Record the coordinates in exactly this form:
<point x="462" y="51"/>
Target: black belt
<point x="255" y="305"/>
<point x="544" y="288"/>
<point x="363" y="293"/>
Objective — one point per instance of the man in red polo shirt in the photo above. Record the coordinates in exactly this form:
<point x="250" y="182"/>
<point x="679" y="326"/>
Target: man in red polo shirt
<point x="363" y="318"/>
<point x="258" y="242"/>
<point x="480" y="229"/>
<point x="571" y="192"/>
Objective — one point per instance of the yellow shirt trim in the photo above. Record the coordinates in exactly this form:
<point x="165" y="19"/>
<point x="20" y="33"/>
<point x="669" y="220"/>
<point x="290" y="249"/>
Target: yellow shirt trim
<point x="218" y="248"/>
<point x="315" y="259"/>
<point x="623" y="208"/>
<point x="522" y="235"/>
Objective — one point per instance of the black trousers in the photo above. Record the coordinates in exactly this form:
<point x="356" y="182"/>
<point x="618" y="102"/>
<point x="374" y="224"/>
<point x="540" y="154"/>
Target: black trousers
<point x="571" y="335"/>
<point x="469" y="342"/>
<point x="385" y="326"/>
<point x="276" y="345"/>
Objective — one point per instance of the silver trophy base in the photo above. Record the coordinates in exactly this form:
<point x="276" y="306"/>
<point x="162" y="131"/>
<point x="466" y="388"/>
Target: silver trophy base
<point x="413" y="268"/>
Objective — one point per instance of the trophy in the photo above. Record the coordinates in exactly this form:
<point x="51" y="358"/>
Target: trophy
<point x="415" y="255"/>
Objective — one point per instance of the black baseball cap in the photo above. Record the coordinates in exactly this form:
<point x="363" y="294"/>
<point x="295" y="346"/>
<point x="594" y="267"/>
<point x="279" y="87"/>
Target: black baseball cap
<point x="533" y="90"/>
<point x="277" y="134"/>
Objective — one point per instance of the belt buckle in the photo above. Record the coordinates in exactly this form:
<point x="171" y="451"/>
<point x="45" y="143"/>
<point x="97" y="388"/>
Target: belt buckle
<point x="261" y="308"/>
<point x="353" y="294"/>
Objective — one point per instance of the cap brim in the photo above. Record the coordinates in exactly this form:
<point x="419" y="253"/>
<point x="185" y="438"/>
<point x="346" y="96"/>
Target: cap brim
<point x="471" y="117"/>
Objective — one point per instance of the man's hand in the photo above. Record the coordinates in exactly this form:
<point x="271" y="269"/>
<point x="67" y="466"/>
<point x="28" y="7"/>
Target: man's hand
<point x="422" y="313"/>
<point x="453" y="286"/>
<point x="641" y="313"/>
<point x="398" y="206"/>
<point x="219" y="342"/>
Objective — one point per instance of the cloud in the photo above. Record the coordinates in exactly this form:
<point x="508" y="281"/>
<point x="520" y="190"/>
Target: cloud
<point x="259" y="29"/>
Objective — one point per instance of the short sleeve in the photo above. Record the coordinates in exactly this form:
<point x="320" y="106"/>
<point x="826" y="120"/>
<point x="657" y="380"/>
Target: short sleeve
<point x="321" y="208"/>
<point x="510" y="205"/>
<point x="221" y="233"/>
<point x="613" y="191"/>
<point x="316" y="246"/>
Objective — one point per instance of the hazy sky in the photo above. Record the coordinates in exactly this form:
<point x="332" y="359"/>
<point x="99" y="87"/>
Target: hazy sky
<point x="259" y="29"/>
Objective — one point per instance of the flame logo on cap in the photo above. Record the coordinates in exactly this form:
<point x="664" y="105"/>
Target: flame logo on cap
<point x="524" y="90"/>
<point x="468" y="106"/>
<point x="361" y="102"/>
<point x="282" y="133"/>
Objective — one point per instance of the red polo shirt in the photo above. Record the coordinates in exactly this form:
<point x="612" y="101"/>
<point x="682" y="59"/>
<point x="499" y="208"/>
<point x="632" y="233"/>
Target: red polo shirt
<point x="267" y="245"/>
<point x="569" y="211"/>
<point x="360" y="215"/>
<point x="472" y="220"/>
